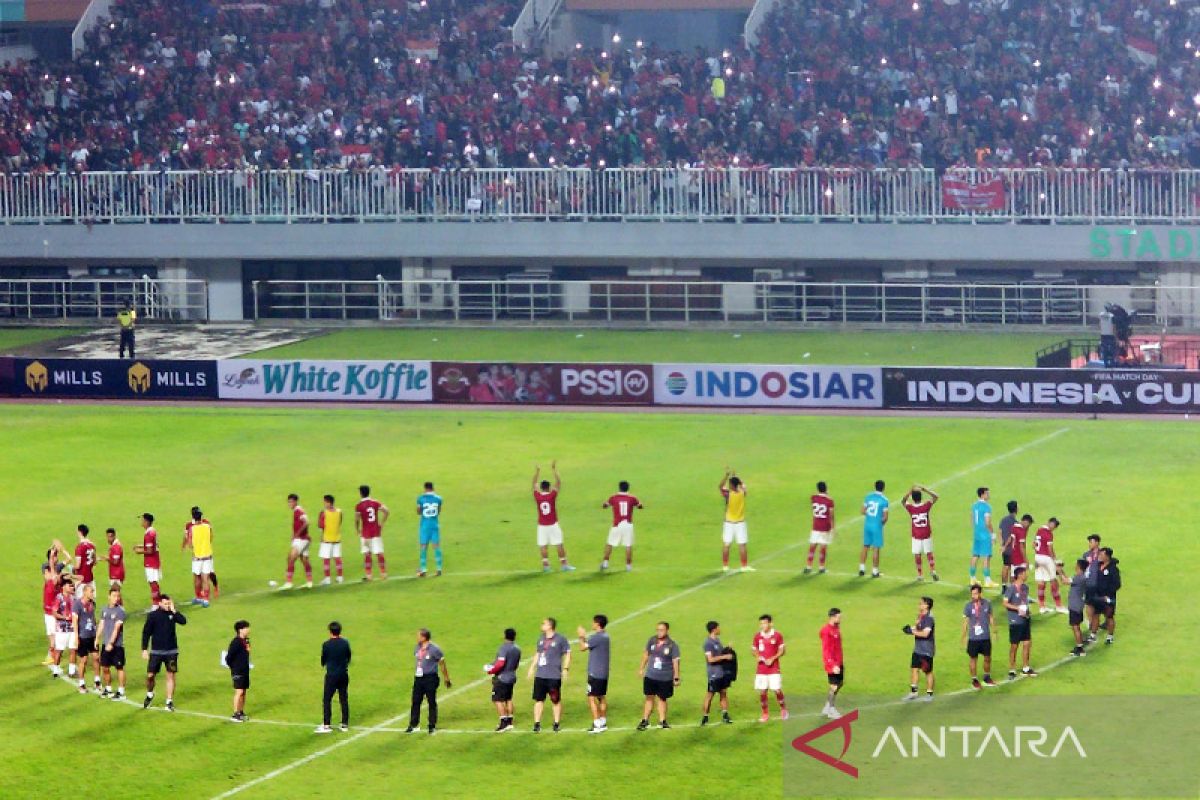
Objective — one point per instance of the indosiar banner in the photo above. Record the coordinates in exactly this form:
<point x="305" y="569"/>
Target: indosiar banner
<point x="767" y="385"/>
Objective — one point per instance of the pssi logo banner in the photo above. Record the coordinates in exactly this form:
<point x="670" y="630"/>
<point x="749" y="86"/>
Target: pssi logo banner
<point x="767" y="385"/>
<point x="995" y="745"/>
<point x="342" y="381"/>
<point x="545" y="383"/>
<point x="115" y="379"/>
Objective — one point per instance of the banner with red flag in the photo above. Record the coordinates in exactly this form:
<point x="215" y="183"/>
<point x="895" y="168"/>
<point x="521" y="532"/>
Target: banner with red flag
<point x="962" y="195"/>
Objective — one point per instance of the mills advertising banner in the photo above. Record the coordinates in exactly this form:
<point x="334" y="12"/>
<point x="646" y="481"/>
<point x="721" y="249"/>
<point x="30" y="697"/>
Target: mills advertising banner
<point x="340" y="381"/>
<point x="148" y="379"/>
<point x="574" y="384"/>
<point x="1088" y="391"/>
<point x="767" y="385"/>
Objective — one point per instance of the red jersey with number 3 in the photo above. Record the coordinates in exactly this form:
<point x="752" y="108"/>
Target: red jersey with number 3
<point x="1019" y="534"/>
<point x="299" y="523"/>
<point x="622" y="506"/>
<point x="1042" y="541"/>
<point x="822" y="506"/>
<point x="85" y="551"/>
<point x="368" y="511"/>
<point x="547" y="507"/>
<point x="767" y="645"/>
<point x="920" y="519"/>
<point x="116" y="562"/>
<point x="150" y="549"/>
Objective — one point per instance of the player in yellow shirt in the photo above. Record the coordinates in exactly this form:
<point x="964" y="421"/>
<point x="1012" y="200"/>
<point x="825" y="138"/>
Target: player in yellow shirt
<point x="330" y="523"/>
<point x="198" y="535"/>
<point x="733" y="489"/>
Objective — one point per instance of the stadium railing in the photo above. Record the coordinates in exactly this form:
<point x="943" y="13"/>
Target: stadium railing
<point x="378" y="194"/>
<point x="83" y="299"/>
<point x="632" y="301"/>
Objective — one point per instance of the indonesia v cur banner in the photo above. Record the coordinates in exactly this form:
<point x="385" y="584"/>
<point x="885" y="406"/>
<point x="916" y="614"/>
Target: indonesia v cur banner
<point x="340" y="381"/>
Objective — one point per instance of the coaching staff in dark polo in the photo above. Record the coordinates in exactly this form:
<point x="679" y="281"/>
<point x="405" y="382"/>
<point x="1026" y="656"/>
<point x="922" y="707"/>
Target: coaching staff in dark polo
<point x="160" y="647"/>
<point x="335" y="658"/>
<point x="429" y="658"/>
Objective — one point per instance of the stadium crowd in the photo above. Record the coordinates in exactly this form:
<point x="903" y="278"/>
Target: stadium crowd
<point x="437" y="84"/>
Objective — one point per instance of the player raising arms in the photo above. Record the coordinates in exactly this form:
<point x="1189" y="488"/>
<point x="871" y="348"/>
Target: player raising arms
<point x="198" y="535"/>
<point x="875" y="516"/>
<point x="1046" y="567"/>
<point x="549" y="532"/>
<point x="330" y="523"/>
<point x="621" y="534"/>
<point x="152" y="561"/>
<point x="983" y="536"/>
<point x="369" y="516"/>
<point x="733" y="489"/>
<point x="922" y="532"/>
<point x="822" y="527"/>
<point x="429" y="509"/>
<point x="300" y="544"/>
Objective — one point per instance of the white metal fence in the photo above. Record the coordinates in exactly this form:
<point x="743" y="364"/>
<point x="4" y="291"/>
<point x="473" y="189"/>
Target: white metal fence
<point x="99" y="298"/>
<point x="632" y="301"/>
<point x="378" y="194"/>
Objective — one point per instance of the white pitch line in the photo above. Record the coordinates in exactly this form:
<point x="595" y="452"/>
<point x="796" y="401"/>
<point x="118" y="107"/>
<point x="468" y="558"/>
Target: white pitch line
<point x="381" y="727"/>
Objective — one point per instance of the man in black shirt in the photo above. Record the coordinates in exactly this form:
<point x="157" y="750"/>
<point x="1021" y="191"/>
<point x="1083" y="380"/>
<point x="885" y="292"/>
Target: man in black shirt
<point x="335" y="657"/>
<point x="237" y="658"/>
<point x="160" y="647"/>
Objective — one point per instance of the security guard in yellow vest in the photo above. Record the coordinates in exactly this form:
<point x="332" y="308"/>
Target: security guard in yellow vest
<point x="127" y="320"/>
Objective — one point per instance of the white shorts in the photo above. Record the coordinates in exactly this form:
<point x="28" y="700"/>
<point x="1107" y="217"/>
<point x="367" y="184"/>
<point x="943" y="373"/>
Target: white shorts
<point x="768" y="683"/>
<point x="153" y="575"/>
<point x="300" y="546"/>
<point x="1044" y="569"/>
<point x="922" y="546"/>
<point x="374" y="545"/>
<point x="734" y="532"/>
<point x="50" y="620"/>
<point x="331" y="550"/>
<point x="64" y="641"/>
<point x="202" y="566"/>
<point x="549" y="535"/>
<point x="621" y="535"/>
<point x="821" y="537"/>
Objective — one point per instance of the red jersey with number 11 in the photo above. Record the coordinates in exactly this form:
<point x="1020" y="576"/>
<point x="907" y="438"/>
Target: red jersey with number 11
<point x="547" y="507"/>
<point x="622" y="506"/>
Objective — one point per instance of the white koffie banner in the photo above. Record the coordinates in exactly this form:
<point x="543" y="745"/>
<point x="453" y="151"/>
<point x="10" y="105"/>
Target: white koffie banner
<point x="767" y="385"/>
<point x="339" y="381"/>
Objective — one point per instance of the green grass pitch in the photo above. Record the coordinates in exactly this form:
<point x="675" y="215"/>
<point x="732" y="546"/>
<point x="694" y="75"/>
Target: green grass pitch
<point x="1130" y="481"/>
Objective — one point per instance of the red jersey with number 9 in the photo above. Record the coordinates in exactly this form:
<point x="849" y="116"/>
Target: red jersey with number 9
<point x="547" y="507"/>
<point x="368" y="509"/>
<point x="622" y="506"/>
<point x="822" y="506"/>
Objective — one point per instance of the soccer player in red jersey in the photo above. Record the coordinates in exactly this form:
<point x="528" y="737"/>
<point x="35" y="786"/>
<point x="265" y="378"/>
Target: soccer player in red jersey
<point x="922" y="532"/>
<point x="549" y="532"/>
<point x="1020" y="533"/>
<point x="768" y="649"/>
<point x="822" y="527"/>
<point x="115" y="559"/>
<point x="300" y="544"/>
<point x="621" y="534"/>
<point x="148" y="549"/>
<point x="831" y="657"/>
<point x="369" y="516"/>
<point x="85" y="561"/>
<point x="1046" y="568"/>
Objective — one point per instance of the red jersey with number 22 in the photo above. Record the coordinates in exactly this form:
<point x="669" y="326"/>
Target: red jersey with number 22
<point x="767" y="645"/>
<point x="822" y="506"/>
<point x="368" y="510"/>
<point x="622" y="506"/>
<point x="920" y="519"/>
<point x="547" y="507"/>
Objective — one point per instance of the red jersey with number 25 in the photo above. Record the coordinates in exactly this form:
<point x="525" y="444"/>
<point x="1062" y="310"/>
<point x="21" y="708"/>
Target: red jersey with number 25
<point x="767" y="645"/>
<point x="368" y="510"/>
<point x="547" y="507"/>
<point x="920" y="519"/>
<point x="1042" y="541"/>
<point x="822" y="506"/>
<point x="150" y="549"/>
<point x="622" y="506"/>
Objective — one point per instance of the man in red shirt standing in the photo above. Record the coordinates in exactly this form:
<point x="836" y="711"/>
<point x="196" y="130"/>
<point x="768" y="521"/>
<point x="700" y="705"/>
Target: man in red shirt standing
<point x="549" y="532"/>
<point x="1046" y="568"/>
<point x="85" y="561"/>
<point x="369" y="516"/>
<point x="115" y="559"/>
<point x="621" y="534"/>
<point x="300" y="544"/>
<point x="768" y="649"/>
<point x="922" y="532"/>
<point x="831" y="655"/>
<point x="822" y="527"/>
<point x="1020" y="534"/>
<point x="148" y="549"/>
